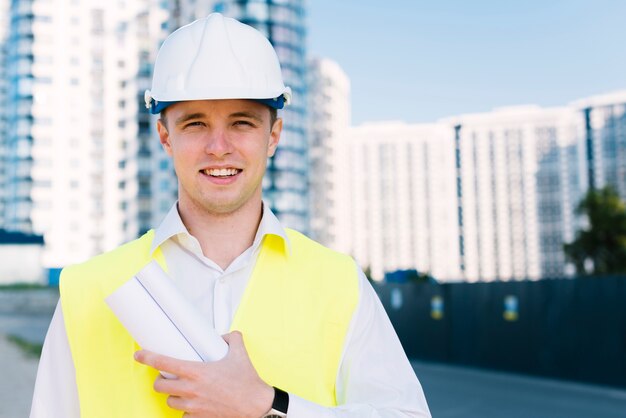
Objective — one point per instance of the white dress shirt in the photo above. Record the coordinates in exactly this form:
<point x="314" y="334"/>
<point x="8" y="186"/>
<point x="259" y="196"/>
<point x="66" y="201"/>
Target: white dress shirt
<point x="375" y="378"/>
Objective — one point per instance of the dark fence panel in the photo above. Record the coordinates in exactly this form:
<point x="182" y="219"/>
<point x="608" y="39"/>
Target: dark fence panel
<point x="565" y="328"/>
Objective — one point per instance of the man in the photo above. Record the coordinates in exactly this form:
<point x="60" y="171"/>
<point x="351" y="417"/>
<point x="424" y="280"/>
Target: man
<point x="307" y="336"/>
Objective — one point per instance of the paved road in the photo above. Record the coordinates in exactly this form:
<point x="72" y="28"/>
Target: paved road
<point x="16" y="386"/>
<point x="463" y="392"/>
<point x="24" y="314"/>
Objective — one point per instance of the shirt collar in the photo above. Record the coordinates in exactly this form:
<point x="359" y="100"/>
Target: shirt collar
<point x="172" y="225"/>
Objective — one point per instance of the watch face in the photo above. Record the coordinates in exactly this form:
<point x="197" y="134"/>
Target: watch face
<point x="275" y="414"/>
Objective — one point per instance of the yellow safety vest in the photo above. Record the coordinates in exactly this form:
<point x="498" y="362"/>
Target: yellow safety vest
<point x="294" y="316"/>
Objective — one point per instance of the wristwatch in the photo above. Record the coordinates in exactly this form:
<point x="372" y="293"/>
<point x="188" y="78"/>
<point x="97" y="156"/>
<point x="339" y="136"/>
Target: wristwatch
<point x="280" y="404"/>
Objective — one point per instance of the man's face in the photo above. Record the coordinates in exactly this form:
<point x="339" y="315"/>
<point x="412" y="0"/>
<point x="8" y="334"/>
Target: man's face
<point x="220" y="150"/>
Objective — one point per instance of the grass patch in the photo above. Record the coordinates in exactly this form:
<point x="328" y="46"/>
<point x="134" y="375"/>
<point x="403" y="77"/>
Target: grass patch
<point x="28" y="348"/>
<point x="22" y="286"/>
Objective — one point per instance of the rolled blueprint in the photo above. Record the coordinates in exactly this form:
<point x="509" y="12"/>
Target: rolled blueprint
<point x="160" y="319"/>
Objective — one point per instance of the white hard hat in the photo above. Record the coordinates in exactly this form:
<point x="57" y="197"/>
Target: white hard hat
<point x="216" y="58"/>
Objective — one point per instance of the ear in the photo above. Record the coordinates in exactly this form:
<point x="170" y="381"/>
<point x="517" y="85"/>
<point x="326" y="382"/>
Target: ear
<point x="164" y="137"/>
<point x="275" y="137"/>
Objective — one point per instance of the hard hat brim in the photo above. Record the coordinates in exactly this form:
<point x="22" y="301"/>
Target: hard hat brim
<point x="157" y="107"/>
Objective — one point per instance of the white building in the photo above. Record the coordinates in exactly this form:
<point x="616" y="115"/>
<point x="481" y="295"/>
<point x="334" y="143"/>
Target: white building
<point x="75" y="134"/>
<point x="500" y="193"/>
<point x="329" y="118"/>
<point x="401" y="188"/>
<point x="517" y="174"/>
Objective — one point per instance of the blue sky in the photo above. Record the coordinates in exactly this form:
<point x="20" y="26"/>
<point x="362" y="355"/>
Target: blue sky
<point x="418" y="60"/>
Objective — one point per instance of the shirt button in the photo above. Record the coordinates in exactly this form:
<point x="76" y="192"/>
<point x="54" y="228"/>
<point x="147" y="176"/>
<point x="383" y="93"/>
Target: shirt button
<point x="222" y="280"/>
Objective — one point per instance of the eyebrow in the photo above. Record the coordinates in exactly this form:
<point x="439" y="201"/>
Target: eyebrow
<point x="185" y="118"/>
<point x="250" y="115"/>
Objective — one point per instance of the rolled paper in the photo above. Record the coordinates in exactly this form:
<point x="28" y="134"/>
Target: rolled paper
<point x="160" y="319"/>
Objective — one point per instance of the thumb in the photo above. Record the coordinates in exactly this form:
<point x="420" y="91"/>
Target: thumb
<point x="233" y="339"/>
<point x="235" y="343"/>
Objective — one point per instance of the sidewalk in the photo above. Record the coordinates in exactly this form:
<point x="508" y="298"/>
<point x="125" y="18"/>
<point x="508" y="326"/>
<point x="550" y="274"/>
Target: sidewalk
<point x="16" y="389"/>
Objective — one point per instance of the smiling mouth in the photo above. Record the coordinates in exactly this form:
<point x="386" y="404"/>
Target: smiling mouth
<point x="221" y="172"/>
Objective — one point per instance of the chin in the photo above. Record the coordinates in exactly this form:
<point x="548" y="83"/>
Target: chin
<point x="221" y="208"/>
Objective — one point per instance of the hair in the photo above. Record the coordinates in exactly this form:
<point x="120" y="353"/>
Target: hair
<point x="163" y="118"/>
<point x="273" y="116"/>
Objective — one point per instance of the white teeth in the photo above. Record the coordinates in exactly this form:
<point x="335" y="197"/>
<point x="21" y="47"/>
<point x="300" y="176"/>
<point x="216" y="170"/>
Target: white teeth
<point x="221" y="172"/>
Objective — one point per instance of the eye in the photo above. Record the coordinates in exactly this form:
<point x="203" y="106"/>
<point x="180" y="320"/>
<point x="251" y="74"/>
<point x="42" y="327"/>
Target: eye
<point x="244" y="123"/>
<point x="193" y="124"/>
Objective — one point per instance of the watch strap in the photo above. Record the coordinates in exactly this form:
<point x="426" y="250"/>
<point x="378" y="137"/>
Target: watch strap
<point x="281" y="400"/>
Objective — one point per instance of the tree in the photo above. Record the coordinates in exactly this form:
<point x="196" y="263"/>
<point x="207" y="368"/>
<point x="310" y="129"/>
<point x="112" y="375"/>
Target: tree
<point x="600" y="248"/>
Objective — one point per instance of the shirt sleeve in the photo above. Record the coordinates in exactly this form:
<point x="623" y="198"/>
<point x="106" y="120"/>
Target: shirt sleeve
<point x="56" y="393"/>
<point x="375" y="378"/>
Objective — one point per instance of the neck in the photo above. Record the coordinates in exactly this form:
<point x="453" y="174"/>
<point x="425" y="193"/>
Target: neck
<point x="222" y="237"/>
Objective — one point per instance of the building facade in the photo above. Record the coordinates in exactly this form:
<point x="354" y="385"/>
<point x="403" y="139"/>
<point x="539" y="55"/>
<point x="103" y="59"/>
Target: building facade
<point x="401" y="188"/>
<point x="329" y="119"/>
<point x="517" y="186"/>
<point x="75" y="132"/>
<point x="497" y="191"/>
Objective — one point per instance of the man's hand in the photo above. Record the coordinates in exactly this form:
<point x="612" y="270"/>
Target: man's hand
<point x="227" y="388"/>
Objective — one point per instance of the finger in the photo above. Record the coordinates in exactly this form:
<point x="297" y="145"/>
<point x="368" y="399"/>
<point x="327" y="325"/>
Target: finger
<point x="165" y="363"/>
<point x="178" y="403"/>
<point x="173" y="387"/>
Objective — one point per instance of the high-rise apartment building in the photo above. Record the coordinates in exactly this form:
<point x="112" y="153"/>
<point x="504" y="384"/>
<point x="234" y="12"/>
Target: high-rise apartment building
<point x="401" y="188"/>
<point x="517" y="185"/>
<point x="75" y="135"/>
<point x="329" y="118"/>
<point x="498" y="195"/>
<point x="145" y="183"/>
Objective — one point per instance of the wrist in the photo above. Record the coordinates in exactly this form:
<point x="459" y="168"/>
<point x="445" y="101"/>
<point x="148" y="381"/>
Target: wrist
<point x="280" y="404"/>
<point x="266" y="398"/>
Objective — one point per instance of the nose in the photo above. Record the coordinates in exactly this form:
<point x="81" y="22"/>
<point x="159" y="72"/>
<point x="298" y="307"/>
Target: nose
<point x="217" y="143"/>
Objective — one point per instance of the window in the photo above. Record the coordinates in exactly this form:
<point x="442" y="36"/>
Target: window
<point x="258" y="11"/>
